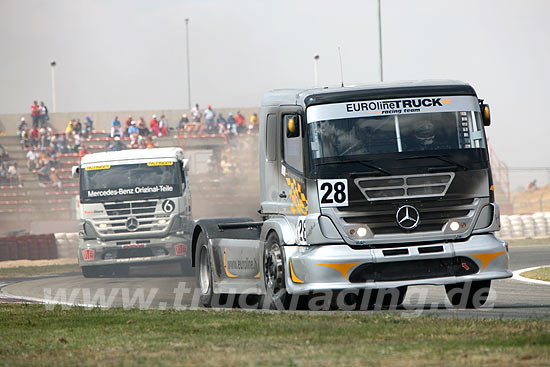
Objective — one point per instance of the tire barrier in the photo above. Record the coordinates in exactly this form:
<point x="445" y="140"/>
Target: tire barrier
<point x="67" y="245"/>
<point x="525" y="226"/>
<point x="28" y="247"/>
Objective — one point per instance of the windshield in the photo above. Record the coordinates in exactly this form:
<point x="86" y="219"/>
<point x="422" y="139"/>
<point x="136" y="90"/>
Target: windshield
<point x="100" y="183"/>
<point x="397" y="133"/>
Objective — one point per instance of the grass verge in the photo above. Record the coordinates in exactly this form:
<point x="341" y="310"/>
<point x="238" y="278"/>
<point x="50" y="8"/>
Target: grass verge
<point x="539" y="274"/>
<point x="23" y="271"/>
<point x="33" y="335"/>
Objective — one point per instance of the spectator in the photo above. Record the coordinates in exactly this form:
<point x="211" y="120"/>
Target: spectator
<point x="209" y="116"/>
<point x="154" y="125"/>
<point x="82" y="153"/>
<point x="196" y="114"/>
<point x="43" y="117"/>
<point x="13" y="174"/>
<point x="241" y="128"/>
<point x="254" y="122"/>
<point x="34" y="136"/>
<point x="116" y="128"/>
<point x="22" y="126"/>
<point x="54" y="178"/>
<point x="88" y="127"/>
<point x="25" y="138"/>
<point x="183" y="121"/>
<point x="142" y="126"/>
<point x="77" y="142"/>
<point x="231" y="130"/>
<point x="77" y="127"/>
<point x="118" y="145"/>
<point x="163" y="126"/>
<point x="43" y="135"/>
<point x="35" y="114"/>
<point x="133" y="129"/>
<point x="128" y="123"/>
<point x="69" y="130"/>
<point x="221" y="123"/>
<point x="32" y="159"/>
<point x="4" y="152"/>
<point x="4" y="172"/>
<point x="149" y="142"/>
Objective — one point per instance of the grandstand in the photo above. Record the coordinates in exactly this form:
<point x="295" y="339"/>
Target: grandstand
<point x="234" y="192"/>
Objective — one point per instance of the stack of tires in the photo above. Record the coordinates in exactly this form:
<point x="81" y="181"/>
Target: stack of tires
<point x="517" y="226"/>
<point x="541" y="228"/>
<point x="505" y="227"/>
<point x="528" y="226"/>
<point x="67" y="244"/>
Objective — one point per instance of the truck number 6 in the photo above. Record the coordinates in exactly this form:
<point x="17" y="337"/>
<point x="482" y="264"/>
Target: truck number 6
<point x="333" y="192"/>
<point x="168" y="206"/>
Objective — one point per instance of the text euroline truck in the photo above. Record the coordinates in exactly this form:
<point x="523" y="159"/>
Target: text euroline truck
<point x="368" y="187"/>
<point x="135" y="209"/>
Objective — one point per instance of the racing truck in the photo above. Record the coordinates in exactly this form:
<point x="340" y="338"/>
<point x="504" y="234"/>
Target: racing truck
<point x="363" y="188"/>
<point x="134" y="209"/>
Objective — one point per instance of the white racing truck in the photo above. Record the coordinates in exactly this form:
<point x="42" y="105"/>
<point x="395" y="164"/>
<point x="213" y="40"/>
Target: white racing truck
<point x="363" y="188"/>
<point x="135" y="209"/>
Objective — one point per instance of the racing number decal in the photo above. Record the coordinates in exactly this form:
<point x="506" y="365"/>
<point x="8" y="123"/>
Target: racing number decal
<point x="301" y="232"/>
<point x="333" y="192"/>
<point x="168" y="206"/>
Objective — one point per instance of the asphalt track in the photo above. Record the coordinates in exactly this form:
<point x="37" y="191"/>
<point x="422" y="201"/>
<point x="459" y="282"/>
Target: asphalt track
<point x="162" y="288"/>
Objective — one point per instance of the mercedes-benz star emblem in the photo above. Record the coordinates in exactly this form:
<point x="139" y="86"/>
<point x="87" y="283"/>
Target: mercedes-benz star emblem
<point x="132" y="224"/>
<point x="407" y="217"/>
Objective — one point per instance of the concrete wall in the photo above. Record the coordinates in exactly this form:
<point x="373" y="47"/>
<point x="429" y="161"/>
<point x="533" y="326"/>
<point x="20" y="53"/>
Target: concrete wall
<point x="102" y="120"/>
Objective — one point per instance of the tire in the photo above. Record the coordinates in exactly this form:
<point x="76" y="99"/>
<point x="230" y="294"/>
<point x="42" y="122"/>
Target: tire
<point x="274" y="274"/>
<point x="91" y="271"/>
<point x="203" y="272"/>
<point x="187" y="269"/>
<point x="469" y="294"/>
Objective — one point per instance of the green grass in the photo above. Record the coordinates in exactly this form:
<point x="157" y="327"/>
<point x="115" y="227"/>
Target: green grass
<point x="33" y="335"/>
<point x="540" y="274"/>
<point x="24" y="271"/>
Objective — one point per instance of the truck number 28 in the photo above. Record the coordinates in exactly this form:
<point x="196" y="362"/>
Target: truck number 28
<point x="333" y="192"/>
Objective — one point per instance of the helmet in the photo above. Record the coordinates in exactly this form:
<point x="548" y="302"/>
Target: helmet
<point x="425" y="133"/>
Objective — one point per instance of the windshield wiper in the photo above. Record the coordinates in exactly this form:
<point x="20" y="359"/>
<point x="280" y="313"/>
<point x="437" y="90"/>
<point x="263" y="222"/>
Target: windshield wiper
<point x="453" y="163"/>
<point x="364" y="163"/>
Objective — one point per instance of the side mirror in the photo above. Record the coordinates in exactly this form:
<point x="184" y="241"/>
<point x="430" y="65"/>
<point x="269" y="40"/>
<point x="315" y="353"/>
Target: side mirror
<point x="292" y="123"/>
<point x="485" y="114"/>
<point x="75" y="172"/>
<point x="185" y="165"/>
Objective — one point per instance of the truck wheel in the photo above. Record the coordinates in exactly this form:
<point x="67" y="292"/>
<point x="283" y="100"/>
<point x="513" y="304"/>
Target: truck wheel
<point x="204" y="272"/>
<point x="91" y="271"/>
<point x="469" y="294"/>
<point x="274" y="274"/>
<point x="187" y="269"/>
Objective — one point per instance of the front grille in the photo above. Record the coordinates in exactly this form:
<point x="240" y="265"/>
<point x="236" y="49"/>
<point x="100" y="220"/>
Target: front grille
<point x="404" y="187"/>
<point x="380" y="217"/>
<point x="413" y="270"/>
<point x="118" y="215"/>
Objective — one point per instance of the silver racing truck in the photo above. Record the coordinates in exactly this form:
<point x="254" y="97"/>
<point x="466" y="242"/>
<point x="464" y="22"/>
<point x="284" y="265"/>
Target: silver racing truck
<point x="134" y="209"/>
<point x="363" y="188"/>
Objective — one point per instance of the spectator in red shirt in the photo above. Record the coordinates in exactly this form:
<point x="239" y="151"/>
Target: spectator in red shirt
<point x="241" y="128"/>
<point x="35" y="136"/>
<point x="154" y="125"/>
<point x="35" y="113"/>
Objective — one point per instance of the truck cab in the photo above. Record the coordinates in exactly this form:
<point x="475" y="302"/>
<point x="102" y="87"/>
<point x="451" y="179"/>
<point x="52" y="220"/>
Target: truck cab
<point x="368" y="187"/>
<point x="134" y="209"/>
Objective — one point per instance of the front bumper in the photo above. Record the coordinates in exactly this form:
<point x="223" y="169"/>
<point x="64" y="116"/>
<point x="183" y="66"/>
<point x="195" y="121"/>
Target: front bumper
<point x="314" y="268"/>
<point x="171" y="248"/>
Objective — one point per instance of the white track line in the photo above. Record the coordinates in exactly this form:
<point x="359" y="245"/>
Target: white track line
<point x="517" y="275"/>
